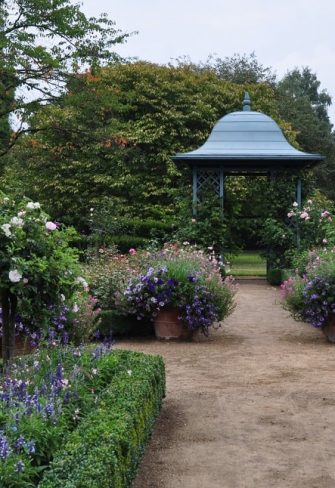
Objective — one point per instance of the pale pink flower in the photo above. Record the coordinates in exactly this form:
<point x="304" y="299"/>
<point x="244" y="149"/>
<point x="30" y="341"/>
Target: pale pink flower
<point x="132" y="251"/>
<point x="50" y="225"/>
<point x="304" y="215"/>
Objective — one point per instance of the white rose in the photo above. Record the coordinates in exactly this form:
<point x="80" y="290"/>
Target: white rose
<point x="50" y="226"/>
<point x="81" y="281"/>
<point x="33" y="205"/>
<point x="6" y="229"/>
<point x="17" y="221"/>
<point x="14" y="276"/>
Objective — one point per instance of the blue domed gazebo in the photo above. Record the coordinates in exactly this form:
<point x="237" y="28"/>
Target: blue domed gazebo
<point x="244" y="143"/>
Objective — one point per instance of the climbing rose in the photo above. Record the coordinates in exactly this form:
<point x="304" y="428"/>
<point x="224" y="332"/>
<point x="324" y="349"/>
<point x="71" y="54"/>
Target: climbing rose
<point x="6" y="229"/>
<point x="33" y="205"/>
<point x="14" y="276"/>
<point x="50" y="226"/>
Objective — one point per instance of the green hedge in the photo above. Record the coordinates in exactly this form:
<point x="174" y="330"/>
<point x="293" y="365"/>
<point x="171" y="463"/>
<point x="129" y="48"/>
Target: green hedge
<point x="106" y="448"/>
<point x="276" y="276"/>
<point x="113" y="323"/>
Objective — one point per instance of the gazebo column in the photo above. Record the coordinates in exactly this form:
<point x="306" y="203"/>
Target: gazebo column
<point x="298" y="198"/>
<point x="195" y="191"/>
<point x="221" y="193"/>
<point x="298" y="193"/>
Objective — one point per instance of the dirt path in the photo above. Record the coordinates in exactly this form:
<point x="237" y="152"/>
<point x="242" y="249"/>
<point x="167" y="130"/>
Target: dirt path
<point x="252" y="407"/>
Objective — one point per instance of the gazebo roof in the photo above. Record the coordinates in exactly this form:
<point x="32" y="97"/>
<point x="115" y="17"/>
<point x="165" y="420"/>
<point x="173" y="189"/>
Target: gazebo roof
<point x="248" y="141"/>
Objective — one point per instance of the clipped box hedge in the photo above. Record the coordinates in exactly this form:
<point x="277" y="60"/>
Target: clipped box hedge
<point x="107" y="446"/>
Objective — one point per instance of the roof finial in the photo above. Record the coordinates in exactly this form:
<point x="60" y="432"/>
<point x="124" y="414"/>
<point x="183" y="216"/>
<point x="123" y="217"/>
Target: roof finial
<point x="246" y="102"/>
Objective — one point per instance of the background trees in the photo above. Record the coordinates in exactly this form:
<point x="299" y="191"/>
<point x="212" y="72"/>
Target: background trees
<point x="42" y="45"/>
<point x="98" y="132"/>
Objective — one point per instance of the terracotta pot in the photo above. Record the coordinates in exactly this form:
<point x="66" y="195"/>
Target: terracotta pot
<point x="22" y="346"/>
<point x="169" y="327"/>
<point x="329" y="329"/>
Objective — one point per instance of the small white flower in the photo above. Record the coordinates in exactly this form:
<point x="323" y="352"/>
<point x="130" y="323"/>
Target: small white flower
<point x="25" y="280"/>
<point x="6" y="229"/>
<point x="295" y="204"/>
<point x="94" y="371"/>
<point x="75" y="308"/>
<point x="50" y="225"/>
<point x="62" y="297"/>
<point x="33" y="205"/>
<point x="14" y="276"/>
<point x="21" y="214"/>
<point x="81" y="281"/>
<point x="17" y="221"/>
<point x="91" y="209"/>
<point x="129" y="371"/>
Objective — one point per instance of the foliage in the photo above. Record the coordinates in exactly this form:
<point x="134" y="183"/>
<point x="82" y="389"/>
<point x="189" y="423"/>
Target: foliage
<point x="240" y="69"/>
<point x="43" y="398"/>
<point x="187" y="280"/>
<point x="305" y="106"/>
<point x="208" y="228"/>
<point x="42" y="45"/>
<point x="106" y="229"/>
<point x="39" y="269"/>
<point x="113" y="136"/>
<point x="107" y="446"/>
<point x="311" y="297"/>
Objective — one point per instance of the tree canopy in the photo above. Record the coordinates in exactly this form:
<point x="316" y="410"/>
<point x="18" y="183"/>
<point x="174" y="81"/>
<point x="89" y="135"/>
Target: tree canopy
<point x="42" y="45"/>
<point x="115" y="132"/>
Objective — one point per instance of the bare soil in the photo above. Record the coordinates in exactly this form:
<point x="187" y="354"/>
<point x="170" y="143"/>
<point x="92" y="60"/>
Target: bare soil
<point x="252" y="406"/>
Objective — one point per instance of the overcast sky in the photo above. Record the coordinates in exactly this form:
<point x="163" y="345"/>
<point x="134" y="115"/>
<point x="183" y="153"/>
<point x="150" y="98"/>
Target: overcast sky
<point x="282" y="33"/>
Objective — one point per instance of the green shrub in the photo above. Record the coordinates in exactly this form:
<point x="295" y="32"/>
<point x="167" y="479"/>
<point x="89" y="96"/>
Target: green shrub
<point x="113" y="323"/>
<point x="105" y="450"/>
<point x="275" y="276"/>
<point x="126" y="242"/>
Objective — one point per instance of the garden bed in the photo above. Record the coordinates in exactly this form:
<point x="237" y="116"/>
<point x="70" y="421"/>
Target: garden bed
<point x="89" y="427"/>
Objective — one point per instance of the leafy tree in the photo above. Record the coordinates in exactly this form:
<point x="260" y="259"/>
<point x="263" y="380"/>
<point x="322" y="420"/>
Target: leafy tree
<point x="114" y="135"/>
<point x="305" y="106"/>
<point x="240" y="69"/>
<point x="42" y="45"/>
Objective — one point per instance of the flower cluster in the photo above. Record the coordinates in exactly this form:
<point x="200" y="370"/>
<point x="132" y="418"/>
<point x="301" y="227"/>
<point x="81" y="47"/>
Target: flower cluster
<point x="202" y="312"/>
<point x="319" y="300"/>
<point x="311" y="296"/>
<point x="148" y="293"/>
<point x="42" y="395"/>
<point x="186" y="279"/>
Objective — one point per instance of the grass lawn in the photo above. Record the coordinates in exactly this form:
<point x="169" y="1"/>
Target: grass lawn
<point x="247" y="263"/>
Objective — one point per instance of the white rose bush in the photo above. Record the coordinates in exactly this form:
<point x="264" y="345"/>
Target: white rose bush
<point x="38" y="268"/>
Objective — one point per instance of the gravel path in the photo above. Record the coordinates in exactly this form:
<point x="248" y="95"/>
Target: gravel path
<point x="253" y="406"/>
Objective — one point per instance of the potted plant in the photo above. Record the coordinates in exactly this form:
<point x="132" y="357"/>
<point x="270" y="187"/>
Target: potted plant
<point x="311" y="297"/>
<point x="182" y="294"/>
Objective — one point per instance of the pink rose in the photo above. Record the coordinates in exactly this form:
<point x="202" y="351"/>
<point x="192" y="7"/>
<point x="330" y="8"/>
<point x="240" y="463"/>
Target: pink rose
<point x="50" y="226"/>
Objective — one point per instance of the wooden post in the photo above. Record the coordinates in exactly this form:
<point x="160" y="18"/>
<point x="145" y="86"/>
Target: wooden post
<point x="9" y="307"/>
<point x="195" y="191"/>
